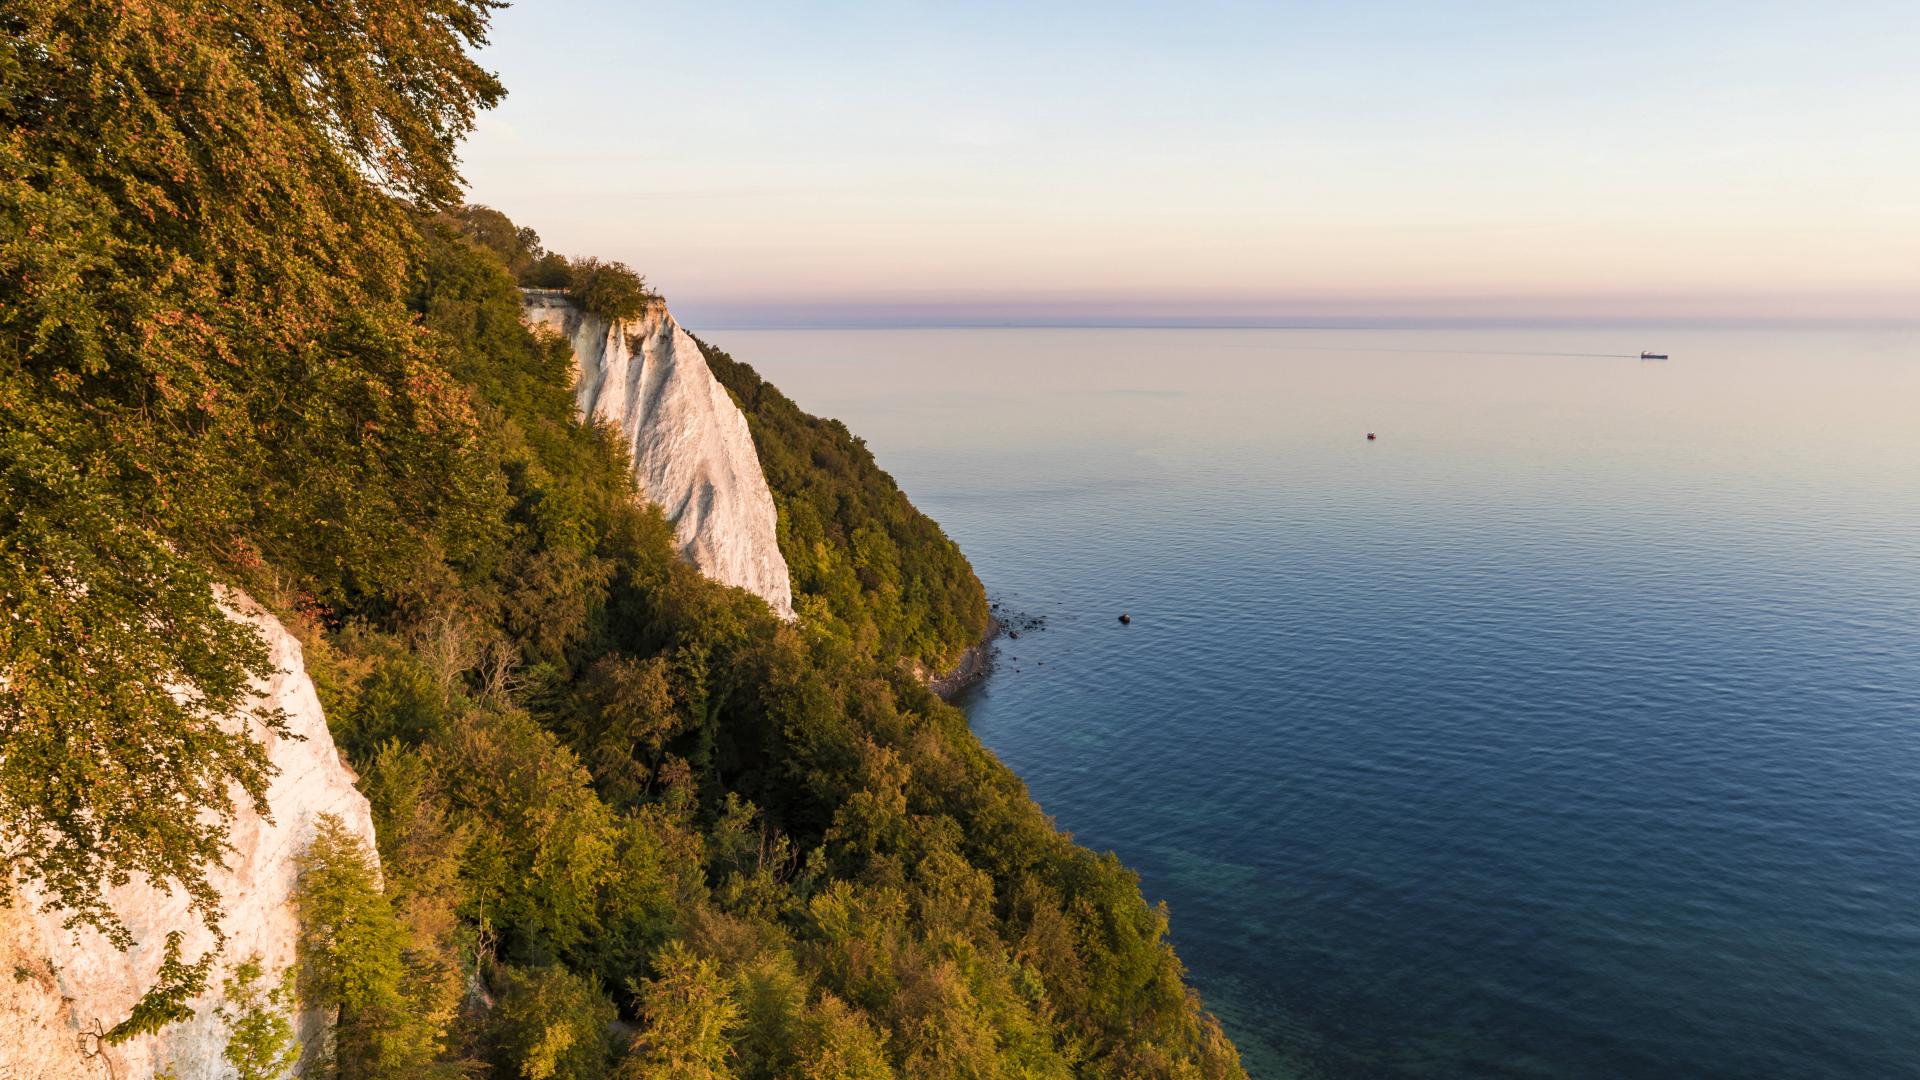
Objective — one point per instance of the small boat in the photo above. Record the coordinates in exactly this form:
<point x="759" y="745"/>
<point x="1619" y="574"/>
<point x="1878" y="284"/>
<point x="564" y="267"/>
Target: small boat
<point x="1652" y="355"/>
<point x="1371" y="436"/>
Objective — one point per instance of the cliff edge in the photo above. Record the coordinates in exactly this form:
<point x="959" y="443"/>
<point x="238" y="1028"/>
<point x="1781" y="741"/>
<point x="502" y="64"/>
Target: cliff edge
<point x="59" y="988"/>
<point x="692" y="452"/>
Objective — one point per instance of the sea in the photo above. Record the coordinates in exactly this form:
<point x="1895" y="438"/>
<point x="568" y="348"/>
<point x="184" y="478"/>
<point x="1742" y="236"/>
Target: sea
<point x="1569" y="727"/>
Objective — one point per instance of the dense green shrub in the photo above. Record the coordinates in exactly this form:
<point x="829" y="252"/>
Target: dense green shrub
<point x="550" y="271"/>
<point x="517" y="246"/>
<point x="530" y="263"/>
<point x="550" y="1024"/>
<point x="608" y="289"/>
<point x="260" y="1039"/>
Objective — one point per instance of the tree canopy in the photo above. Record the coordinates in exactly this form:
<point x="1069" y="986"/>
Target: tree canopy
<point x="202" y="232"/>
<point x="608" y="289"/>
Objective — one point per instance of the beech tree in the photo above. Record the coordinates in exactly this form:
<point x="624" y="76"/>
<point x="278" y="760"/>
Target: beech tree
<point x="551" y="1024"/>
<point x="686" y="1014"/>
<point x="261" y="1044"/>
<point x="353" y="963"/>
<point x="202" y="224"/>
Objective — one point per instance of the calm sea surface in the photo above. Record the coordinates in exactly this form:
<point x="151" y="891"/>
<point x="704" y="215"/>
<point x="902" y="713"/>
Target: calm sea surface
<point x="1571" y="729"/>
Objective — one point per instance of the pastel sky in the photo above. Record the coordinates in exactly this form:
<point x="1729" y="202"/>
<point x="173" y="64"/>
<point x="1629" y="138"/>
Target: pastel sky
<point x="886" y="163"/>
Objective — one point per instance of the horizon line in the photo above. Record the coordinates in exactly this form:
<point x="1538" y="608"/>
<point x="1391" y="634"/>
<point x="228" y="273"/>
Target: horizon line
<point x="1883" y="323"/>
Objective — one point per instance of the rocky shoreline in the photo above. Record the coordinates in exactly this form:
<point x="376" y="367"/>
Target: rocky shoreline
<point x="974" y="665"/>
<point x="977" y="662"/>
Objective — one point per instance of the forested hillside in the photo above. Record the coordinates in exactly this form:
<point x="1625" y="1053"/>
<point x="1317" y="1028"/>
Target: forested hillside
<point x="865" y="563"/>
<point x="630" y="824"/>
<point x="864" y="560"/>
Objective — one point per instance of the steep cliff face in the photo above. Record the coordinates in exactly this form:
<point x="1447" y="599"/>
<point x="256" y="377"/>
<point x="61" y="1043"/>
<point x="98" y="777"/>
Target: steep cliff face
<point x="692" y="451"/>
<point x="59" y="988"/>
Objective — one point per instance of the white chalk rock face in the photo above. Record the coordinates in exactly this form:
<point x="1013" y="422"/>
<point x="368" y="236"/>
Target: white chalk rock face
<point x="692" y="451"/>
<point x="60" y="988"/>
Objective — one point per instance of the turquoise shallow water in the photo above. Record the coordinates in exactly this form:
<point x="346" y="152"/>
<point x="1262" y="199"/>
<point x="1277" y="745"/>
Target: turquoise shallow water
<point x="1571" y="729"/>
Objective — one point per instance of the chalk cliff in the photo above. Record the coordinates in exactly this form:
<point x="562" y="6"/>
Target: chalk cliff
<point x="59" y="989"/>
<point x="692" y="452"/>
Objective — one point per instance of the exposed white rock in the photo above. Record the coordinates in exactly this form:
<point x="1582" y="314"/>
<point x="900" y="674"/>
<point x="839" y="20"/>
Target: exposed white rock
<point x="692" y="451"/>
<point x="59" y="989"/>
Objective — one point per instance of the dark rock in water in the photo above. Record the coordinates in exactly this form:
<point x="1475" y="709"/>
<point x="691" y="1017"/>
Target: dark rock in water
<point x="1014" y="634"/>
<point x="1125" y="618"/>
<point x="1020" y="622"/>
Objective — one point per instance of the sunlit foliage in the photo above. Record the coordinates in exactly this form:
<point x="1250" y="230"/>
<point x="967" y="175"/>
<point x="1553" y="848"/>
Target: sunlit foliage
<point x="864" y="561"/>
<point x="202" y="364"/>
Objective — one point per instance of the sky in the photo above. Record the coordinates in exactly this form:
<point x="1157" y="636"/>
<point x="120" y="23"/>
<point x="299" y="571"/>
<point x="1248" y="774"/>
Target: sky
<point x="842" y="163"/>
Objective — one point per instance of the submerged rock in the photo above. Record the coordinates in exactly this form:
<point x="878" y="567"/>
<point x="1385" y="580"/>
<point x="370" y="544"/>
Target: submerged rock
<point x="692" y="452"/>
<point x="59" y="989"/>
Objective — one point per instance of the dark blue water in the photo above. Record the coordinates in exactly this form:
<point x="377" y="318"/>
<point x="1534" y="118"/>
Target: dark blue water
<point x="1571" y="729"/>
